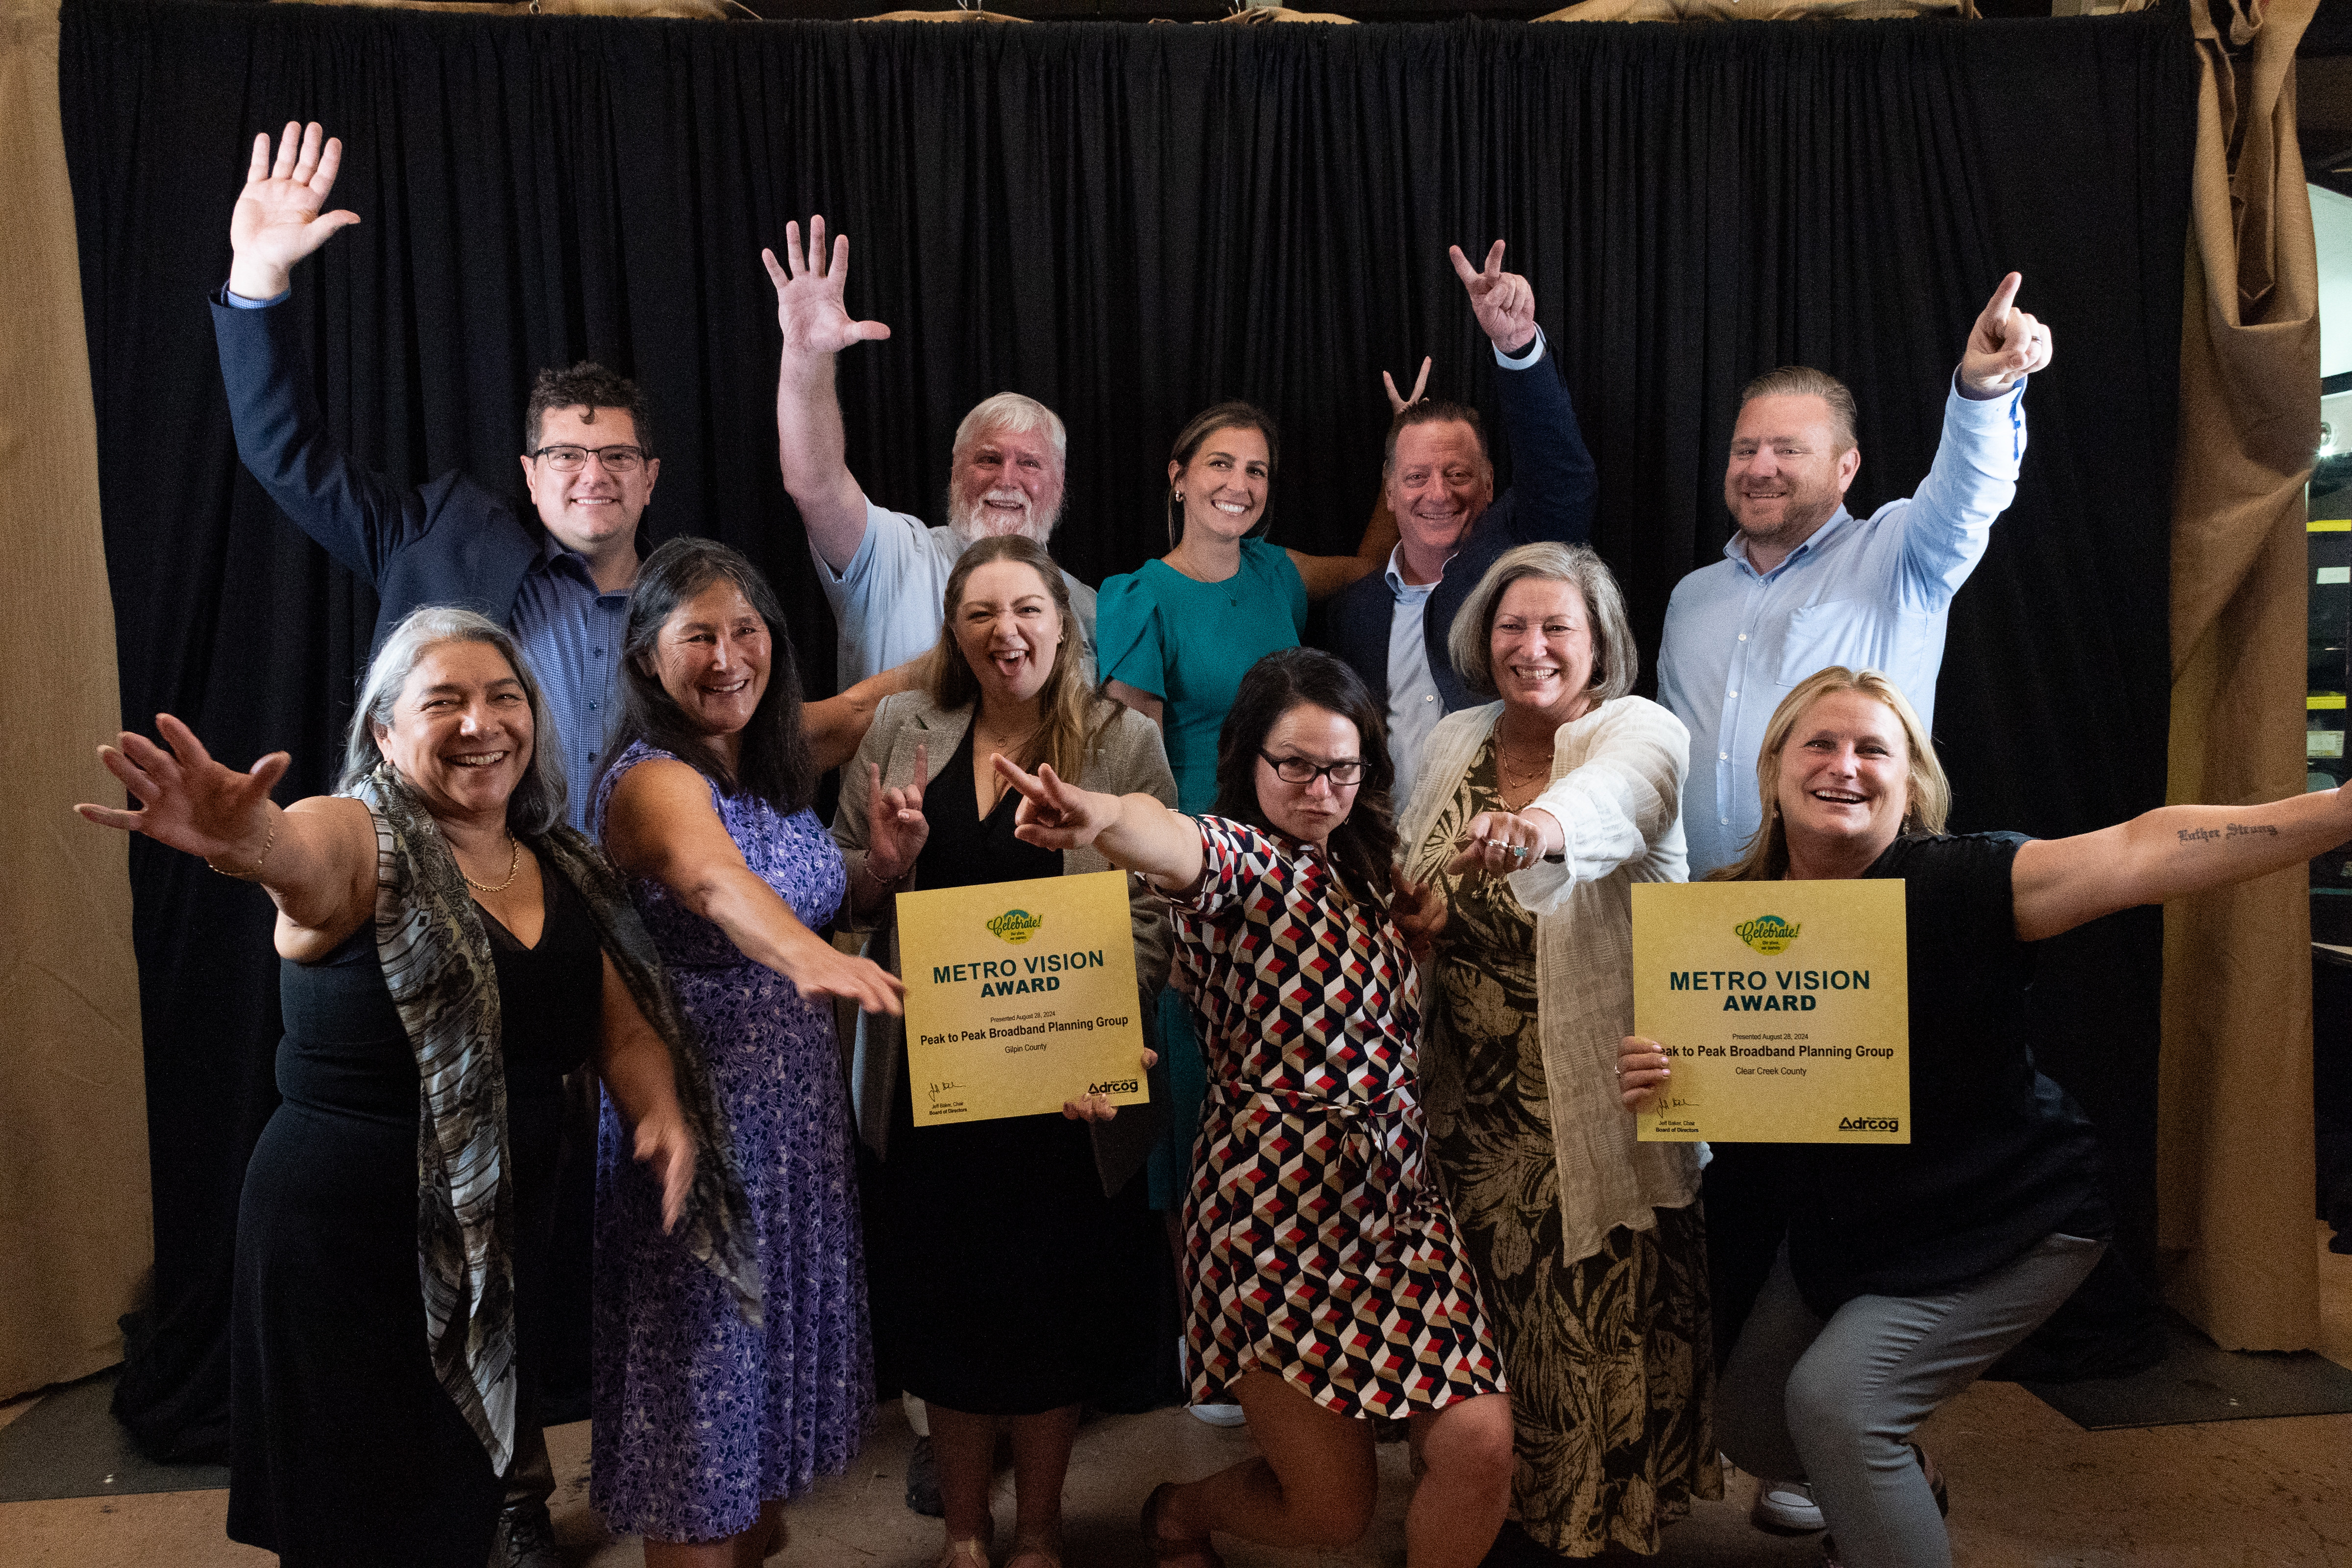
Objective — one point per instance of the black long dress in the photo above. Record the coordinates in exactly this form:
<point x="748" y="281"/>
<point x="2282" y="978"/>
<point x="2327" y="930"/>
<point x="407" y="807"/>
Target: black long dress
<point x="346" y="1451"/>
<point x="1011" y="1286"/>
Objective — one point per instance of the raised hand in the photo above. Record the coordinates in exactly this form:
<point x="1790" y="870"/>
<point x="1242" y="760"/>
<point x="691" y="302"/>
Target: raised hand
<point x="1419" y="911"/>
<point x="276" y="221"/>
<point x="1503" y="303"/>
<point x="896" y="827"/>
<point x="1642" y="1071"/>
<point x="1498" y="843"/>
<point x="1398" y="403"/>
<point x="665" y="1148"/>
<point x="809" y="294"/>
<point x="1054" y="813"/>
<point x="2005" y="343"/>
<point x="192" y="803"/>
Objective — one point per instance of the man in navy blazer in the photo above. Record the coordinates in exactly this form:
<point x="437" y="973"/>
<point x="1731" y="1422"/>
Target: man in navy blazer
<point x="1439" y="481"/>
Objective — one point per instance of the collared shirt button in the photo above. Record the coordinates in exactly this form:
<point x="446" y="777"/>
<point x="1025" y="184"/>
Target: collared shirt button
<point x="1743" y="636"/>
<point x="1431" y="698"/>
<point x="1735" y="694"/>
<point x="591" y="708"/>
<point x="1719" y="756"/>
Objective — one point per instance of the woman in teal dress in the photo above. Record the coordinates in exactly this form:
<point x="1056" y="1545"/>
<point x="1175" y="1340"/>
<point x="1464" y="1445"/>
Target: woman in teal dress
<point x="1175" y="639"/>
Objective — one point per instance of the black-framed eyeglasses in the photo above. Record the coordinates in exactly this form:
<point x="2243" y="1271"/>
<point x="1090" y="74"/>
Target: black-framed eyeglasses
<point x="568" y="459"/>
<point x="1300" y="770"/>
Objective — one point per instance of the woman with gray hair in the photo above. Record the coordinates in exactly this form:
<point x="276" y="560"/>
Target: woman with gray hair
<point x="1533" y="818"/>
<point x="451" y="950"/>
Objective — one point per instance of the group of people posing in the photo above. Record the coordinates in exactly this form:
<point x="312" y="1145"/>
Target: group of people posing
<point x="1382" y="913"/>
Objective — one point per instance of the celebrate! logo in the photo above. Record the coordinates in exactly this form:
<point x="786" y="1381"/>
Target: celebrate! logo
<point x="1768" y="934"/>
<point x="1015" y="926"/>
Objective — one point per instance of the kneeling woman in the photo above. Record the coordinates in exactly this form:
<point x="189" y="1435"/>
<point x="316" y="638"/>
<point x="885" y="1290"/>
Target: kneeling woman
<point x="1910" y="1268"/>
<point x="1327" y="1284"/>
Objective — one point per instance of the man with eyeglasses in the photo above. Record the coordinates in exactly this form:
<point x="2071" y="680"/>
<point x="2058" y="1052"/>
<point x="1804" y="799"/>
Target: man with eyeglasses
<point x="560" y="579"/>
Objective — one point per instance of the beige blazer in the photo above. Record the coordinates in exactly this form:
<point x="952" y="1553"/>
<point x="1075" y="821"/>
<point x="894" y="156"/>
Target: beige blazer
<point x="1616" y="791"/>
<point x="1126" y="759"/>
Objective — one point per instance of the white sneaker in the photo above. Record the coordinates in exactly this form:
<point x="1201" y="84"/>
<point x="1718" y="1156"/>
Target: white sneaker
<point x="1785" y="1505"/>
<point x="1215" y="1415"/>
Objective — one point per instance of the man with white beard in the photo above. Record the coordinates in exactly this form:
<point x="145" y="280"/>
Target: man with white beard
<point x="884" y="572"/>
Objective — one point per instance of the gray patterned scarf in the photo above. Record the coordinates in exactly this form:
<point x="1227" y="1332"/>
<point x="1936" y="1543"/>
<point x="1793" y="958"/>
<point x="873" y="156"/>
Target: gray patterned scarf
<point x="437" y="962"/>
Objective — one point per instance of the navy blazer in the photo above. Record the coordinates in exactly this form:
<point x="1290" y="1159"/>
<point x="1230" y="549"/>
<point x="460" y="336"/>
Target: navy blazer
<point x="1551" y="497"/>
<point x="450" y="542"/>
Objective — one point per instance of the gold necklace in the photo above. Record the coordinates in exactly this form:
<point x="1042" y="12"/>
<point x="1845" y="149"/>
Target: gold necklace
<point x="1513" y="778"/>
<point x="514" y="864"/>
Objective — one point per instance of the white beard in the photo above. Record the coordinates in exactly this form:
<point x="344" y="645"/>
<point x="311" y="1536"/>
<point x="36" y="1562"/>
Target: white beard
<point x="973" y="522"/>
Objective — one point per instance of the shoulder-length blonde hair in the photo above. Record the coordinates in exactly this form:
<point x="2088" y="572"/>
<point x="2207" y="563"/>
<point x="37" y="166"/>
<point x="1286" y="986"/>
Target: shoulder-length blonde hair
<point x="537" y="803"/>
<point x="1070" y="716"/>
<point x="1929" y="799"/>
<point x="1616" y="661"/>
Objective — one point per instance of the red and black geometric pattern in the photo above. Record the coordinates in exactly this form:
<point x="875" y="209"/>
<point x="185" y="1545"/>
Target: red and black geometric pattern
<point x="1314" y="1247"/>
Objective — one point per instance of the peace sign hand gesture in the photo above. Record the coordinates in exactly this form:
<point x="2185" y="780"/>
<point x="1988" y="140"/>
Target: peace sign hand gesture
<point x="276" y="221"/>
<point x="1505" y="303"/>
<point x="2005" y="345"/>
<point x="896" y="827"/>
<point x="810" y="293"/>
<point x="192" y="803"/>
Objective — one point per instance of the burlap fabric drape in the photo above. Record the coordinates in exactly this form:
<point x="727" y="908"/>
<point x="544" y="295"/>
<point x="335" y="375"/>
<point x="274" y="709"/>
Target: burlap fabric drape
<point x="74" y="1221"/>
<point x="2235" y="1140"/>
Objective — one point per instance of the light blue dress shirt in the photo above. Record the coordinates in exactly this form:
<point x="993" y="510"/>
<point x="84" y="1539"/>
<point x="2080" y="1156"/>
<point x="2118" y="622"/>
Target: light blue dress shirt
<point x="1414" y="705"/>
<point x="571" y="636"/>
<point x="1867" y="593"/>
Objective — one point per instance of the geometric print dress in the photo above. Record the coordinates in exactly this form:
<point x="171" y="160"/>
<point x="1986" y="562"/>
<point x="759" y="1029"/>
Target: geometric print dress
<point x="1316" y="1246"/>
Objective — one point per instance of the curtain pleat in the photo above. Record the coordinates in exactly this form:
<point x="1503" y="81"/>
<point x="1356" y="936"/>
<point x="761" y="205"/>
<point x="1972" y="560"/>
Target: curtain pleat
<point x="73" y="1108"/>
<point x="2236" y="1145"/>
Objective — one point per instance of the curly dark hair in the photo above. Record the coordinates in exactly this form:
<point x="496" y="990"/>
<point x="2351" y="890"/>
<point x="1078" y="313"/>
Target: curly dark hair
<point x="1362" y="847"/>
<point x="776" y="766"/>
<point x="585" y="385"/>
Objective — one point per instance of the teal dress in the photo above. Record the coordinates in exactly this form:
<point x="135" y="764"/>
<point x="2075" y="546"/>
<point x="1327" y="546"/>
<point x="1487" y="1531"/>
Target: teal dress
<point x="1189" y="644"/>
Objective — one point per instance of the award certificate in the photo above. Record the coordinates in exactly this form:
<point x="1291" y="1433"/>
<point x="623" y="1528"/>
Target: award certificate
<point x="1785" y="1004"/>
<point x="1020" y="996"/>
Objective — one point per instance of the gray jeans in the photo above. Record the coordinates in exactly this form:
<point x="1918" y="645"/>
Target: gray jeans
<point x="1836" y="1402"/>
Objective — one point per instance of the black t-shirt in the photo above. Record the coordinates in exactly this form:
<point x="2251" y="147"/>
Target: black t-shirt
<point x="1999" y="1156"/>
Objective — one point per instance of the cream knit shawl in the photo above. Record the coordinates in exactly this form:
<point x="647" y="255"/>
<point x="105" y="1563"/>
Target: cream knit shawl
<point x="1616" y="790"/>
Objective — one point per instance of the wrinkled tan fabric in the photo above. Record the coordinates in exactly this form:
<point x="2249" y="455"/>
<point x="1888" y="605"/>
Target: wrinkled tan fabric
<point x="958" y="16"/>
<point x="681" y="10"/>
<point x="1752" y="10"/>
<point x="2234" y="1141"/>
<point x="74" y="1216"/>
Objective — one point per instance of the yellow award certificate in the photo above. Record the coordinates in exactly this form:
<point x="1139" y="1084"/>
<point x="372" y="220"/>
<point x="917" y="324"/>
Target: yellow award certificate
<point x="1787" y="1006"/>
<point x="1020" y="996"/>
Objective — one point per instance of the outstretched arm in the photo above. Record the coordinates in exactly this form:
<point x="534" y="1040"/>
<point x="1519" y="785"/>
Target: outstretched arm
<point x="661" y="824"/>
<point x="1978" y="454"/>
<point x="1133" y="832"/>
<point x="276" y="221"/>
<point x="316" y="859"/>
<point x="810" y="291"/>
<point x="2061" y="883"/>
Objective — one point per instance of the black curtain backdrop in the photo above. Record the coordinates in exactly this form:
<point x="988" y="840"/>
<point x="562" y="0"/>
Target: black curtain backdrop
<point x="1128" y="222"/>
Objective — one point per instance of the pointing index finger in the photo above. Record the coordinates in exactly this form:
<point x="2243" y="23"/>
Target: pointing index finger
<point x="1996" y="310"/>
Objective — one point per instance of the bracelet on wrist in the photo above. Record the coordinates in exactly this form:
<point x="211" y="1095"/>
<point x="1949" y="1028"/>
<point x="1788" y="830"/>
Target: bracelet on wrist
<point x="251" y="872"/>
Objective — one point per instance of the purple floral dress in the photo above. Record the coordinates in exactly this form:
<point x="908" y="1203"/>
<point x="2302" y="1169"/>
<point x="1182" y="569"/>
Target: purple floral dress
<point x="700" y="1417"/>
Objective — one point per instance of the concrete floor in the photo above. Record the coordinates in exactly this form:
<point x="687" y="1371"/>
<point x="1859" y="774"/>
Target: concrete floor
<point x="2029" y="1489"/>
